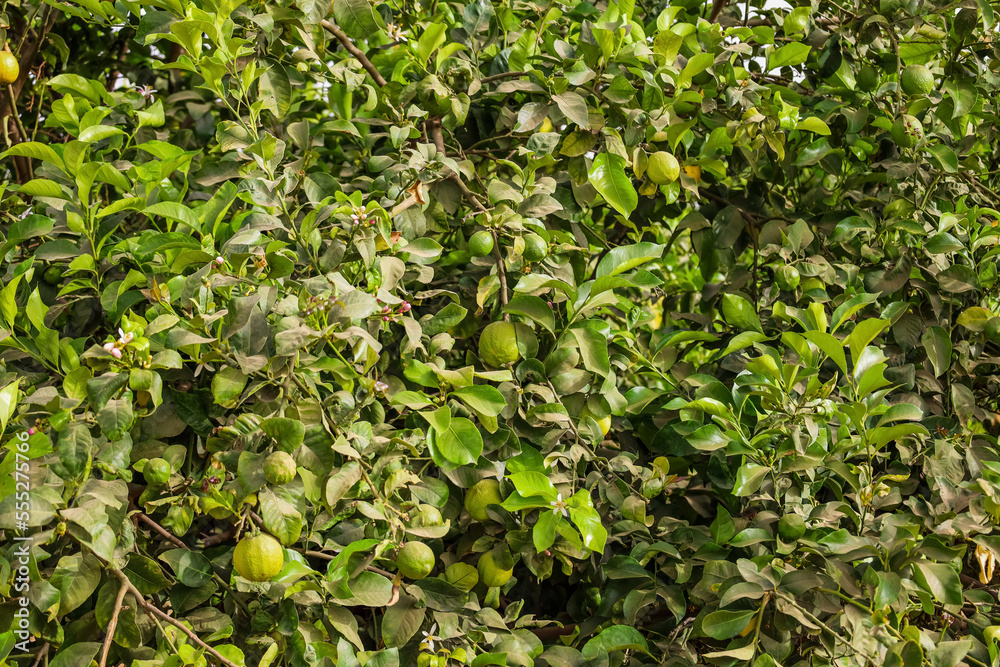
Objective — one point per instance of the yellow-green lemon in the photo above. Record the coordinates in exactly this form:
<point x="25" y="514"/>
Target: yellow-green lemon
<point x="662" y="168"/>
<point x="415" y="560"/>
<point x="498" y="344"/>
<point x="9" y="69"/>
<point x="483" y="493"/>
<point x="916" y="80"/>
<point x="259" y="558"/>
<point x="490" y="573"/>
<point x="279" y="468"/>
<point x="907" y="131"/>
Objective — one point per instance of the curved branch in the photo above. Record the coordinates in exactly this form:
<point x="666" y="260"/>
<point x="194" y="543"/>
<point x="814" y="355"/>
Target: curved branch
<point x="354" y="51"/>
<point x="155" y="611"/>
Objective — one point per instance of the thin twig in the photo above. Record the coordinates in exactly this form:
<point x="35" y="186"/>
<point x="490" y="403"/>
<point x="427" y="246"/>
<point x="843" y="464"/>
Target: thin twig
<point x="572" y="426"/>
<point x="162" y="531"/>
<point x="155" y="611"/>
<point x="41" y="654"/>
<point x="502" y="75"/>
<point x="112" y="625"/>
<point x="354" y="51"/>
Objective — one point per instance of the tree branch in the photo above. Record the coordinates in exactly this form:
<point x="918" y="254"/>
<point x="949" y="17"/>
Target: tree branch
<point x="155" y="611"/>
<point x="353" y="50"/>
<point x="112" y="625"/>
<point x="162" y="531"/>
<point x="501" y="76"/>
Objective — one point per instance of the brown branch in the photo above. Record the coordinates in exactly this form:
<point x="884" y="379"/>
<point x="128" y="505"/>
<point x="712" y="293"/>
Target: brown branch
<point x="112" y="625"/>
<point x="41" y="654"/>
<point x="162" y="531"/>
<point x="436" y="135"/>
<point x="501" y="76"/>
<point x="353" y="50"/>
<point x="155" y="611"/>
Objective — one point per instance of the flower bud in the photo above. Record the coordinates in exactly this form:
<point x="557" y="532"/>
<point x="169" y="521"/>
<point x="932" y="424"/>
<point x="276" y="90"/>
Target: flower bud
<point x="116" y="353"/>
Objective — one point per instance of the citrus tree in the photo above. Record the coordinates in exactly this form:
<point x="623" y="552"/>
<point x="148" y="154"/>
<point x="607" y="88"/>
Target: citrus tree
<point x="558" y="334"/>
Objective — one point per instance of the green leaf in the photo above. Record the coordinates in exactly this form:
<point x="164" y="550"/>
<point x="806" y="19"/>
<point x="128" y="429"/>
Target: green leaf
<point x="616" y="638"/>
<point x="726" y="624"/>
<point x="937" y="343"/>
<point x="534" y="309"/>
<point x="945" y="156"/>
<point x="460" y="443"/>
<point x="940" y="580"/>
<point x="403" y="619"/>
<point x="574" y="108"/>
<point x="75" y="446"/>
<point x="227" y="385"/>
<point x="593" y="348"/>
<point x="813" y="124"/>
<point x="431" y="40"/>
<point x="74" y="655"/>
<point x="794" y="53"/>
<point x="625" y="258"/>
<point x="287" y="433"/>
<point x="530" y="483"/>
<point x="359" y="20"/>
<point x="740" y="313"/>
<point x="484" y="399"/>
<point x="190" y="567"/>
<point x="607" y="175"/>
<point x="279" y="514"/>
<point x="342" y="481"/>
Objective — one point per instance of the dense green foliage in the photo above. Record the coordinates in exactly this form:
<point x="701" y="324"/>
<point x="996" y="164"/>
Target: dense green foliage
<point x="751" y="413"/>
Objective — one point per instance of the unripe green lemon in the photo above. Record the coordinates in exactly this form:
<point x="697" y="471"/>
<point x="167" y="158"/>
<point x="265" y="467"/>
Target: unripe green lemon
<point x="415" y="560"/>
<point x="787" y="278"/>
<point x="425" y="515"/>
<point x="483" y="493"/>
<point x="52" y="275"/>
<point x="868" y="79"/>
<point x="259" y="558"/>
<point x="535" y="248"/>
<point x="279" y="468"/>
<point x="490" y="573"/>
<point x="791" y="527"/>
<point x="916" y="80"/>
<point x="481" y="243"/>
<point x="498" y="344"/>
<point x="907" y="131"/>
<point x="662" y="168"/>
<point x="156" y="472"/>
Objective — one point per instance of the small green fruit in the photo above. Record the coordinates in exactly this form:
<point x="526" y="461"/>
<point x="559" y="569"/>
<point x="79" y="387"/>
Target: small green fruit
<point x="791" y="527"/>
<point x="916" y="80"/>
<point x="907" y="131"/>
<point x="662" y="168"/>
<point x="481" y="244"/>
<point x="415" y="560"/>
<point x="535" y="248"/>
<point x="279" y="468"/>
<point x="868" y="79"/>
<point x="787" y="278"/>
